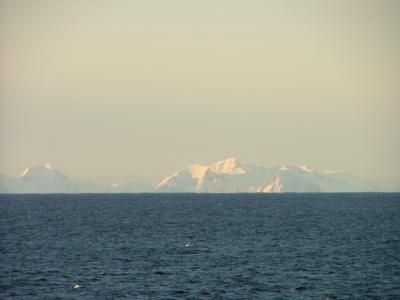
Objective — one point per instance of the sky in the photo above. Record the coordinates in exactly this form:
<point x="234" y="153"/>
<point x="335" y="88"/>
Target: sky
<point x="124" y="91"/>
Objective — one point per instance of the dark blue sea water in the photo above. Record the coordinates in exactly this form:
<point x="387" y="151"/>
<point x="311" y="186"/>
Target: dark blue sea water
<point x="159" y="246"/>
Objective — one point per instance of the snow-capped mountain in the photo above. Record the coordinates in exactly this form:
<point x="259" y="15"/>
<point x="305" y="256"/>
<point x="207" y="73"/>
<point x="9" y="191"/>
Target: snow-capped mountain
<point x="199" y="178"/>
<point x="46" y="179"/>
<point x="226" y="176"/>
<point x="230" y="175"/>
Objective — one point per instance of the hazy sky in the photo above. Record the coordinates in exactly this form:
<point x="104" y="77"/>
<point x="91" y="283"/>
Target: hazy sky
<point x="125" y="90"/>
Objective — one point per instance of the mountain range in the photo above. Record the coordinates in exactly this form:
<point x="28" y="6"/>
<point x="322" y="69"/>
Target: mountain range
<point x="232" y="176"/>
<point x="226" y="176"/>
<point x="46" y="179"/>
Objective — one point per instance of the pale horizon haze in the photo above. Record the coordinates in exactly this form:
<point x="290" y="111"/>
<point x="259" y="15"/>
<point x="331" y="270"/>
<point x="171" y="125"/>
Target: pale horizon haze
<point x="125" y="91"/>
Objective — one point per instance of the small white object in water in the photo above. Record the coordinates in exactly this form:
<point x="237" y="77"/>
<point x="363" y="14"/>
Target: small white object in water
<point x="188" y="245"/>
<point x="77" y="286"/>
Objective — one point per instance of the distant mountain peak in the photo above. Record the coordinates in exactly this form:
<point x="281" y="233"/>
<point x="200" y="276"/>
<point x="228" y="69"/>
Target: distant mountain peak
<point x="48" y="166"/>
<point x="228" y="166"/>
<point x="306" y="168"/>
<point x="40" y="169"/>
<point x="230" y="175"/>
<point x="328" y="172"/>
<point x="302" y="168"/>
<point x="24" y="172"/>
<point x="225" y="176"/>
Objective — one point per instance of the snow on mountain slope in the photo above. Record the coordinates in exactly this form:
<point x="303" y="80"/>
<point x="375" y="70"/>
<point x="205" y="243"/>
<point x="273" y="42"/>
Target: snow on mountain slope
<point x="271" y="186"/>
<point x="226" y="176"/>
<point x="229" y="166"/>
<point x="46" y="179"/>
<point x="199" y="178"/>
<point x="38" y="179"/>
<point x="180" y="182"/>
<point x="230" y="176"/>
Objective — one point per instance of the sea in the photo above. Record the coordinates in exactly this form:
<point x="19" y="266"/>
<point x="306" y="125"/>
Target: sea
<point x="200" y="246"/>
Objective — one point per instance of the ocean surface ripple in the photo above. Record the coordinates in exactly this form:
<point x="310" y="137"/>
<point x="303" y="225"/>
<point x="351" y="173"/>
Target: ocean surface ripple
<point x="200" y="246"/>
